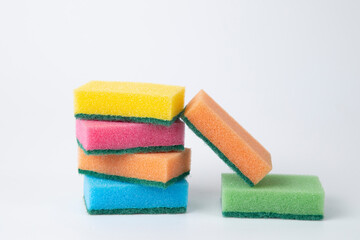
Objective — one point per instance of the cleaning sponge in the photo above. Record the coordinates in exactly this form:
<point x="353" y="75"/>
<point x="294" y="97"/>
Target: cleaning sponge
<point x="276" y="196"/>
<point x="153" y="169"/>
<point x="104" y="196"/>
<point x="129" y="101"/>
<point x="103" y="137"/>
<point x="231" y="142"/>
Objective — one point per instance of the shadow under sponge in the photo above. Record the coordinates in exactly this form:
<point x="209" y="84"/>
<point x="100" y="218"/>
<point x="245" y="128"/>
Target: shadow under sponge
<point x="276" y="196"/>
<point x="104" y="196"/>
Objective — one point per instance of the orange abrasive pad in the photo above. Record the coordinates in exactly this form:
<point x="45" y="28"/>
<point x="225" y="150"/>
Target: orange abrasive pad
<point x="234" y="145"/>
<point x="156" y="169"/>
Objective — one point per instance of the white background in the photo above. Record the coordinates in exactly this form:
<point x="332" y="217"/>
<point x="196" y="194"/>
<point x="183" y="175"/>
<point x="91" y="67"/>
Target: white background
<point x="288" y="71"/>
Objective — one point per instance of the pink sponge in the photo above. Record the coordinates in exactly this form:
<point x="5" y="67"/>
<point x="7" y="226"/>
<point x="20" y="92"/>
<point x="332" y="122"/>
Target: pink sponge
<point x="103" y="137"/>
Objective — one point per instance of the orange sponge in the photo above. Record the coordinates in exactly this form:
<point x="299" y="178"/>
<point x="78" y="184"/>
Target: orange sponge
<point x="234" y="145"/>
<point x="154" y="169"/>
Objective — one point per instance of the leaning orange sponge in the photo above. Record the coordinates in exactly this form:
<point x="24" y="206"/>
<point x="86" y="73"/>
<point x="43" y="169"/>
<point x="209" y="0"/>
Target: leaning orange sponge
<point x="233" y="144"/>
<point x="154" y="169"/>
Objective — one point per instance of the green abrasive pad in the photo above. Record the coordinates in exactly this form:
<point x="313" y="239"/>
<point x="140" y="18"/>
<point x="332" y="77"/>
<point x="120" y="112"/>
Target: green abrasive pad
<point x="126" y="119"/>
<point x="160" y="210"/>
<point x="272" y="215"/>
<point x="134" y="180"/>
<point x="132" y="150"/>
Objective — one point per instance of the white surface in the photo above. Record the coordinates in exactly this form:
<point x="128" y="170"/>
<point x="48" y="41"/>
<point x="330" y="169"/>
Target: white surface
<point x="288" y="71"/>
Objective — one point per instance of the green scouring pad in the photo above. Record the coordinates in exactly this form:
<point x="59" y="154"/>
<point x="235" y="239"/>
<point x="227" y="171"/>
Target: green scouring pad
<point x="135" y="180"/>
<point x="160" y="210"/>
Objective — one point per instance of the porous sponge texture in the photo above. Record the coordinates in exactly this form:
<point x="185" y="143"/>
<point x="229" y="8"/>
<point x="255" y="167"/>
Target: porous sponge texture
<point x="106" y="136"/>
<point x="227" y="138"/>
<point x="156" y="167"/>
<point x="104" y="196"/>
<point x="129" y="101"/>
<point x="276" y="196"/>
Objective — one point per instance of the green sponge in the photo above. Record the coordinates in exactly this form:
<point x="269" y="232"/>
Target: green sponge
<point x="276" y="196"/>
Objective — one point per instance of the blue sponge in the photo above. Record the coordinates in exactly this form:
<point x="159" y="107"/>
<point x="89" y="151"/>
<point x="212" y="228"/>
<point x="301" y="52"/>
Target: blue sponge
<point x="104" y="196"/>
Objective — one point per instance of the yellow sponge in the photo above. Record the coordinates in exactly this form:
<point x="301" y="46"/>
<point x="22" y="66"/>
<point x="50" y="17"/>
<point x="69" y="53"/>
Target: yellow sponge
<point x="129" y="101"/>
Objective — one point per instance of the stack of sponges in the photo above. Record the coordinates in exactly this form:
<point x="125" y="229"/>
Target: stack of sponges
<point x="274" y="196"/>
<point x="131" y="147"/>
